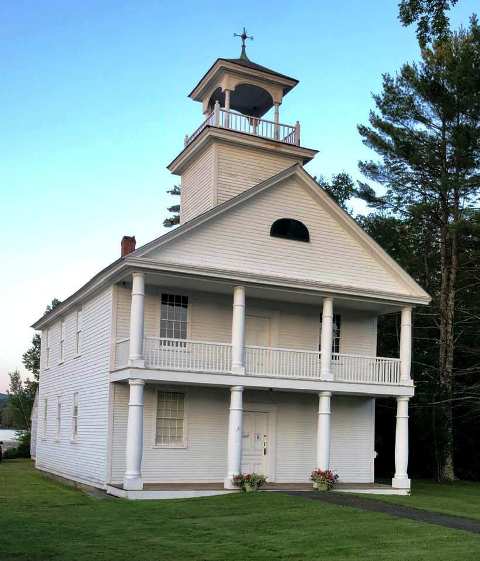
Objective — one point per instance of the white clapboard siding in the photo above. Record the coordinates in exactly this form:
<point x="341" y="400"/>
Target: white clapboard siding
<point x="293" y="326"/>
<point x="204" y="457"/>
<point x="242" y="167"/>
<point x="88" y="374"/>
<point x="239" y="240"/>
<point x="223" y="171"/>
<point x="198" y="185"/>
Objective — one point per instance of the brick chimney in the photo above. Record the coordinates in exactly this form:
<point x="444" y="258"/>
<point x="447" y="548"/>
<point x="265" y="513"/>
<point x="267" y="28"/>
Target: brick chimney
<point x="128" y="245"/>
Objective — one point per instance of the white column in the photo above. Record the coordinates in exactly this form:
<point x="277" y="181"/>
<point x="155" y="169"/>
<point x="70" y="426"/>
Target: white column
<point x="238" y="331"/>
<point x="326" y="340"/>
<point x="400" y="480"/>
<point x="227" y="108"/>
<point x="323" y="430"/>
<point x="134" y="450"/>
<point x="216" y="114"/>
<point x="135" y="356"/>
<point x="234" y="445"/>
<point x="406" y="345"/>
<point x="276" y="120"/>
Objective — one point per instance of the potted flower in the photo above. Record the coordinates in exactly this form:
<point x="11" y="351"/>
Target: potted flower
<point x="249" y="482"/>
<point x="323" y="480"/>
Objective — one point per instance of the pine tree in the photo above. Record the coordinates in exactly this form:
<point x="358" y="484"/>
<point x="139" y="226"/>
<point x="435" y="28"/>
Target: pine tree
<point x="427" y="132"/>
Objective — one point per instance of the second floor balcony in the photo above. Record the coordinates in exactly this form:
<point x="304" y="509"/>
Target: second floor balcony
<point x="227" y="119"/>
<point x="216" y="358"/>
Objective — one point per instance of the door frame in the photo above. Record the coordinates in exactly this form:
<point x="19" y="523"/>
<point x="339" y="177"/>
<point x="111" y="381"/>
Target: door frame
<point x="271" y="411"/>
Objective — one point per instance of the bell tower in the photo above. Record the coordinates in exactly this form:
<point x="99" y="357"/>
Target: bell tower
<point x="235" y="147"/>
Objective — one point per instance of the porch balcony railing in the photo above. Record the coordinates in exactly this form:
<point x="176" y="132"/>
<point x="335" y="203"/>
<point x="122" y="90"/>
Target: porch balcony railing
<point x="202" y="356"/>
<point x="224" y="119"/>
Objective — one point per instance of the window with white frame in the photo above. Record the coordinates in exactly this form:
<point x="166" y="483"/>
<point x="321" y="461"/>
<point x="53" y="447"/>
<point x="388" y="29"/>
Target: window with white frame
<point x="62" y="340"/>
<point x="59" y="418"/>
<point x="75" y="416"/>
<point x="170" y="422"/>
<point x="78" y="332"/>
<point x="336" y="333"/>
<point x="173" y="316"/>
<point x="47" y="349"/>
<point x="45" y="417"/>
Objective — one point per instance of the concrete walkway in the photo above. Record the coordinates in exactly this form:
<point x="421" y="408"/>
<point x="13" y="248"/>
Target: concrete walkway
<point x="372" y="505"/>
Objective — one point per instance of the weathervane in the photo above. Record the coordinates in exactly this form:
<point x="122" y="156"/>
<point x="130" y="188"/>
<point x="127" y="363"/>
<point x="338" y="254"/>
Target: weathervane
<point x="243" y="36"/>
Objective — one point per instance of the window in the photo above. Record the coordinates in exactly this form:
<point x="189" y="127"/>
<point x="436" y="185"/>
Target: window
<point x="78" y="332"/>
<point x="59" y="418"/>
<point x="290" y="229"/>
<point x="45" y="417"/>
<point x="336" y="333"/>
<point x="62" y="340"/>
<point x="170" y="419"/>
<point x="173" y="316"/>
<point x="75" y="416"/>
<point x="47" y="349"/>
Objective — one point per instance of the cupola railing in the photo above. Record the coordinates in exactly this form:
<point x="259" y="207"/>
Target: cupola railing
<point x="225" y="119"/>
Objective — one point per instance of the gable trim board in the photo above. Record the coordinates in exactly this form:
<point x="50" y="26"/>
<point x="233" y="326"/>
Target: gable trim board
<point x="138" y="258"/>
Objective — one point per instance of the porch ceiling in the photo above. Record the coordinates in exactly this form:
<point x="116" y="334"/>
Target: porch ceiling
<point x="191" y="283"/>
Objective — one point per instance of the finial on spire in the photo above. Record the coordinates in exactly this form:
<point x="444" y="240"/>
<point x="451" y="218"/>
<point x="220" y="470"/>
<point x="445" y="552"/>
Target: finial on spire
<point x="243" y="36"/>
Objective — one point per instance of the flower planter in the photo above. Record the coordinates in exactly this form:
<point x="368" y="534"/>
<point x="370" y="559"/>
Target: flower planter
<point x="248" y="488"/>
<point x="321" y="487"/>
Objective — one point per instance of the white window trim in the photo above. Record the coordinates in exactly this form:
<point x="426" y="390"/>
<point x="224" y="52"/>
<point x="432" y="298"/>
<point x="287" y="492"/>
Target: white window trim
<point x="45" y="418"/>
<point x="78" y="332"/>
<point x="47" y="349"/>
<point x="62" y="342"/>
<point x="58" y="428"/>
<point x="74" y="435"/>
<point x="177" y="446"/>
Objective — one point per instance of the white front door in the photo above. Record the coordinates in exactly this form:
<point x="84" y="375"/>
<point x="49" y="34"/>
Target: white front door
<point x="255" y="449"/>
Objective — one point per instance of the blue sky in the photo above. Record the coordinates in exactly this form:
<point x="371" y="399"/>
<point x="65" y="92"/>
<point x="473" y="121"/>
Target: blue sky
<point x="93" y="106"/>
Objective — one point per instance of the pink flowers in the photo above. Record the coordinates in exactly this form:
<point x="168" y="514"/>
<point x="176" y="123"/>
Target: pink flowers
<point x="249" y="481"/>
<point x="324" y="478"/>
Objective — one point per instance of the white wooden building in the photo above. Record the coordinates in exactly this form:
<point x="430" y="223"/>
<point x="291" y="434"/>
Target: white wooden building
<point x="244" y="339"/>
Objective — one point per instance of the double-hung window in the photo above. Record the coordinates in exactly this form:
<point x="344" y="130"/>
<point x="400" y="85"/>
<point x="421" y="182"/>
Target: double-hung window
<point x="170" y="421"/>
<point x="75" y="416"/>
<point x="45" y="417"/>
<point x="62" y="340"/>
<point x="47" y="349"/>
<point x="173" y="316"/>
<point x="59" y="418"/>
<point x="78" y="332"/>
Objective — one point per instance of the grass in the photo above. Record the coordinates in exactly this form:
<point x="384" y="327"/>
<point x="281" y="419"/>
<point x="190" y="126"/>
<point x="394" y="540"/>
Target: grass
<point x="43" y="520"/>
<point x="461" y="498"/>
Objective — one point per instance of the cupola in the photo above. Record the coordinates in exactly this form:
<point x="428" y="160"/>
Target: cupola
<point x="235" y="148"/>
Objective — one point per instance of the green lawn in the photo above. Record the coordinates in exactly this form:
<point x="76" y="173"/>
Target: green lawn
<point x="41" y="520"/>
<point x="461" y="498"/>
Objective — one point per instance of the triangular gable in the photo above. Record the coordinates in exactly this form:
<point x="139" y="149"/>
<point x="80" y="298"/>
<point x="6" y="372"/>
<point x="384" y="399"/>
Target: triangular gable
<point x="236" y="237"/>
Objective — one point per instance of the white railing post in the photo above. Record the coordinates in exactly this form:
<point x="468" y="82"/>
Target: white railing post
<point x="216" y="114"/>
<point x="135" y="356"/>
<point x="401" y="480"/>
<point x="227" y="109"/>
<point x="326" y="340"/>
<point x="297" y="133"/>
<point x="234" y="445"/>
<point x="323" y="430"/>
<point x="134" y="449"/>
<point x="238" y="331"/>
<point x="406" y="345"/>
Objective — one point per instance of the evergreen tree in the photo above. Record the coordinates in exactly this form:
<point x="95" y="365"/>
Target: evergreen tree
<point x="174" y="209"/>
<point x="427" y="132"/>
<point x="429" y="15"/>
